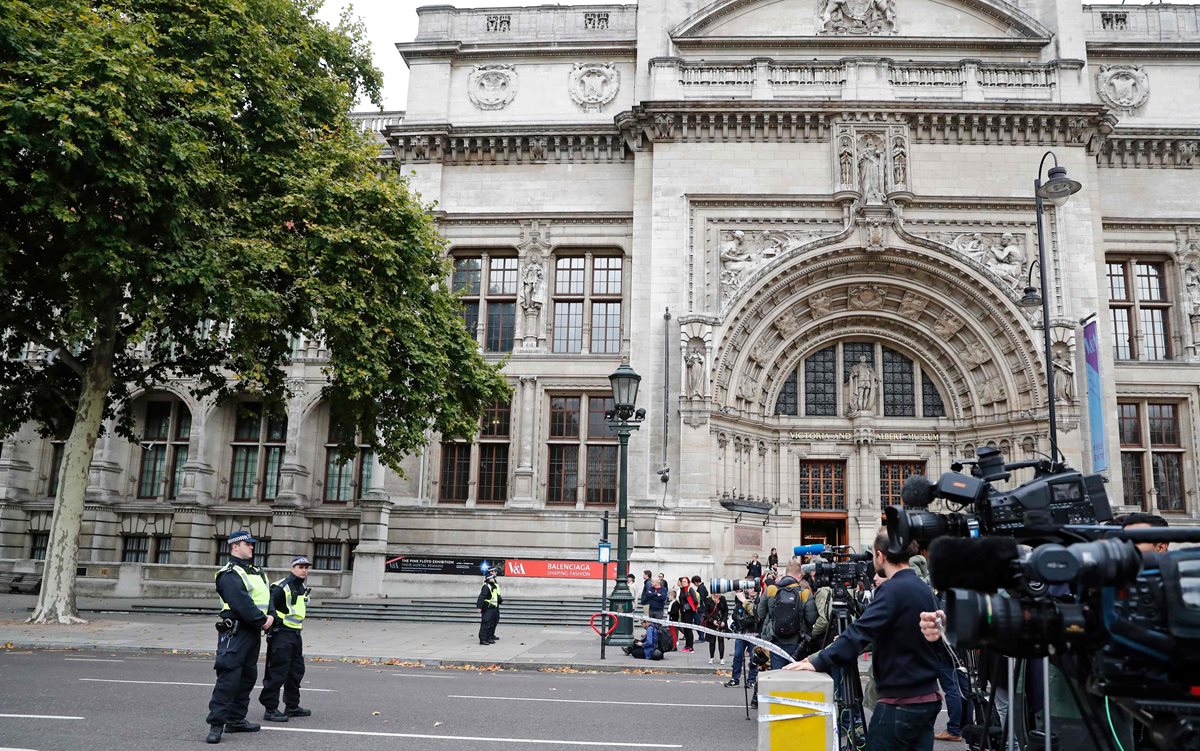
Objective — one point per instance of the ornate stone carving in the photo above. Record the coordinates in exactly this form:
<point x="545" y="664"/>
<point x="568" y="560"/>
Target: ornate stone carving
<point x="899" y="164"/>
<point x="1123" y="87"/>
<point x="820" y="304"/>
<point x="1191" y="285"/>
<point x="846" y="162"/>
<point x="749" y="389"/>
<point x="871" y="157"/>
<point x="492" y="87"/>
<point x="787" y="324"/>
<point x="761" y="353"/>
<point x="532" y="277"/>
<point x="862" y="381"/>
<point x="1064" y="374"/>
<point x="974" y="355"/>
<point x="740" y="252"/>
<point x="420" y="148"/>
<point x="593" y="85"/>
<point x="992" y="391"/>
<point x="947" y="325"/>
<point x="857" y="17"/>
<point x="1001" y="253"/>
<point x="913" y="305"/>
<point x="874" y="232"/>
<point x="867" y="296"/>
<point x="664" y="124"/>
<point x="693" y="360"/>
<point x="1185" y="153"/>
<point x="538" y="149"/>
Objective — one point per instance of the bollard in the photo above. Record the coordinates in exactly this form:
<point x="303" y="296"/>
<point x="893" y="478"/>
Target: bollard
<point x="796" y="711"/>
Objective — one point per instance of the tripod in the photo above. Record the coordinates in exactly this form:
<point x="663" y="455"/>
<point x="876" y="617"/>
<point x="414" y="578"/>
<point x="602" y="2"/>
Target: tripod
<point x="851" y="720"/>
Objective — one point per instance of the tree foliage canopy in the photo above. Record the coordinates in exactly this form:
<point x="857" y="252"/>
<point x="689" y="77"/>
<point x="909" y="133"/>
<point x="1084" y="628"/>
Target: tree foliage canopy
<point x="184" y="176"/>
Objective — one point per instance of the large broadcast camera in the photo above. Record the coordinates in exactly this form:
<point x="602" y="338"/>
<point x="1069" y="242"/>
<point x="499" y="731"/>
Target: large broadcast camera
<point x="1122" y="627"/>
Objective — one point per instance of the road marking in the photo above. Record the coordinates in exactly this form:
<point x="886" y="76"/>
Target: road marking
<point x="180" y="683"/>
<point x="597" y="701"/>
<point x="532" y="741"/>
<point x="5" y="748"/>
<point x="42" y="717"/>
<point x="87" y="659"/>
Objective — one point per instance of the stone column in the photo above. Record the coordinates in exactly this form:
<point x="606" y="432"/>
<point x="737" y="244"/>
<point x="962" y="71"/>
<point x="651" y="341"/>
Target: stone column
<point x="192" y="529"/>
<point x="293" y="476"/>
<point x="104" y="474"/>
<point x="371" y="553"/>
<point x="524" y="476"/>
<point x="291" y="536"/>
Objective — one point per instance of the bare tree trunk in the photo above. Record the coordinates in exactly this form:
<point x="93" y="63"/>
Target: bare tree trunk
<point x="56" y="603"/>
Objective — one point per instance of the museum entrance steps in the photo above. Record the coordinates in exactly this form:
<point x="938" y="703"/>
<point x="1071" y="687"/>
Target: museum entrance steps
<point x="522" y="611"/>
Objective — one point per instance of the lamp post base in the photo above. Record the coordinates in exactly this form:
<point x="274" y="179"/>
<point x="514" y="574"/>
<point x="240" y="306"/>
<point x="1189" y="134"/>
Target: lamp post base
<point x="621" y="601"/>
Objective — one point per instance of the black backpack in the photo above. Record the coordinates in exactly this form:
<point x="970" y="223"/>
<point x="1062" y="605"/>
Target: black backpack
<point x="788" y="618"/>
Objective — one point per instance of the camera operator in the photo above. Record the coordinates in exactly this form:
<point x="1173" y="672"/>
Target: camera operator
<point x="743" y="622"/>
<point x="1139" y="520"/>
<point x="787" y="612"/>
<point x="906" y="666"/>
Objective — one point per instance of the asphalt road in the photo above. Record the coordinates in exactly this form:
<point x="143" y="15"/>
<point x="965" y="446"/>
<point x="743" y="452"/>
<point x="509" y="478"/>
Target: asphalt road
<point x="64" y="701"/>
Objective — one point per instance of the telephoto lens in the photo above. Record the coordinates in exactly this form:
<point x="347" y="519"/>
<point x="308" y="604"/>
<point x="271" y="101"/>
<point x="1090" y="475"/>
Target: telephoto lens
<point x="721" y="586"/>
<point x="1017" y="627"/>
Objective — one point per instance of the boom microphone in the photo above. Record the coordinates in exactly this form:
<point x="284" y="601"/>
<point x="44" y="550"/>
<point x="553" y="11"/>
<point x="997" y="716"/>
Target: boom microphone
<point x="917" y="491"/>
<point x="808" y="549"/>
<point x="984" y="564"/>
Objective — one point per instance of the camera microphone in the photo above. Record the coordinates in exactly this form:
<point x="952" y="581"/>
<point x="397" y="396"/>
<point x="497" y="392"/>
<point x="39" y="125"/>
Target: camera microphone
<point x="917" y="491"/>
<point x="983" y="564"/>
<point x="808" y="549"/>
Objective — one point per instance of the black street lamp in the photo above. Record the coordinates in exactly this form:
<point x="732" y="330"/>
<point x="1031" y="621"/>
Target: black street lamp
<point x="623" y="419"/>
<point x="1057" y="189"/>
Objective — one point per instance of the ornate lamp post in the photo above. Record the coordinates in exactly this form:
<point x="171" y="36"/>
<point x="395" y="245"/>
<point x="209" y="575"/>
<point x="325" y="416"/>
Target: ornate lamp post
<point x="623" y="419"/>
<point x="1057" y="189"/>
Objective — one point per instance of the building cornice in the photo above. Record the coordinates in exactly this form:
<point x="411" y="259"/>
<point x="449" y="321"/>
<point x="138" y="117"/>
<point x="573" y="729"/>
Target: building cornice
<point x="424" y="51"/>
<point x="1151" y="148"/>
<point x="967" y="45"/>
<point x="1144" y="50"/>
<point x="507" y="219"/>
<point x="538" y="144"/>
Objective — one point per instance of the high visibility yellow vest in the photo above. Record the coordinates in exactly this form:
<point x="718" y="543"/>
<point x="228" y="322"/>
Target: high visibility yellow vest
<point x="494" y="598"/>
<point x="297" y="607"/>
<point x="255" y="584"/>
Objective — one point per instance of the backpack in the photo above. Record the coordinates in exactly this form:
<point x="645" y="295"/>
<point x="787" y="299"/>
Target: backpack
<point x="788" y="620"/>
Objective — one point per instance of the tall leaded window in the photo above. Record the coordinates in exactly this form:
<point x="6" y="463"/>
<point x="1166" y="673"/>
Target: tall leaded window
<point x="892" y="475"/>
<point x="456" y="472"/>
<point x="1139" y="304"/>
<point x="931" y="399"/>
<point x="259" y="440"/>
<point x="588" y="304"/>
<point x="38" y="542"/>
<point x="493" y="453"/>
<point x="346" y="475"/>
<point x="581" y="451"/>
<point x="820" y="386"/>
<point x="1152" y="455"/>
<point x="166" y="429"/>
<point x="788" y="401"/>
<point x="822" y="486"/>
<point x="899" y="385"/>
<point x="487" y="286"/>
<point x="820" y="383"/>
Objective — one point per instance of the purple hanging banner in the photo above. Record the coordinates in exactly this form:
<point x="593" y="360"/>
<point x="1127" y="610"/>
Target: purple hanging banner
<point x="1091" y="347"/>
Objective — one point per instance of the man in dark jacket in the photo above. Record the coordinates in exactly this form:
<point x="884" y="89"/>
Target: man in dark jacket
<point x="285" y="645"/>
<point x="689" y="608"/>
<point x="754" y="568"/>
<point x="245" y="604"/>
<point x="488" y="603"/>
<point x="906" y="666"/>
<point x="656" y="598"/>
<point x="702" y="594"/>
<point x="649" y="646"/>
<point x="798" y="635"/>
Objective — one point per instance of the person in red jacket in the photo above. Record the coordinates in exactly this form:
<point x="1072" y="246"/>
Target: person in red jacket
<point x="689" y="606"/>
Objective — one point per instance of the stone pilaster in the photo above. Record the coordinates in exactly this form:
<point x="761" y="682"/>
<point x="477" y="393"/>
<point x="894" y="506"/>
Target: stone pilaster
<point x="290" y="536"/>
<point x="192" y="533"/>
<point x="293" y="476"/>
<point x="100" y="534"/>
<point x="371" y="552"/>
<point x="524" y="476"/>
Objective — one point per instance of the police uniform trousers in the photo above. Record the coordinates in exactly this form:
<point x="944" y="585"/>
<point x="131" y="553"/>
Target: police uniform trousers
<point x="487" y="623"/>
<point x="285" y="667"/>
<point x="237" y="672"/>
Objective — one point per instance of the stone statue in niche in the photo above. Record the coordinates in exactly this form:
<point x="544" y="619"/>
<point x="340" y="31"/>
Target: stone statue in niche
<point x="1064" y="376"/>
<point x="862" y="380"/>
<point x="1007" y="260"/>
<point x="693" y="359"/>
<point x="1191" y="283"/>
<point x="846" y="162"/>
<point x="899" y="164"/>
<point x="857" y="17"/>
<point x="531" y="286"/>
<point x="913" y="305"/>
<point x="870" y="170"/>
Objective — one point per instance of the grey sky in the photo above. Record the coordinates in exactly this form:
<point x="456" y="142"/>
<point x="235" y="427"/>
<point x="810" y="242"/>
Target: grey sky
<point x="392" y="21"/>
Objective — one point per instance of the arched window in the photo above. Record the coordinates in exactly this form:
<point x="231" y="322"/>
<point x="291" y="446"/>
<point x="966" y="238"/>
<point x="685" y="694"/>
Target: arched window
<point x="166" y="429"/>
<point x="894" y="384"/>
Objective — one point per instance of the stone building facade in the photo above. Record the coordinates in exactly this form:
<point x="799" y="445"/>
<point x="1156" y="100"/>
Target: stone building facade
<point x="808" y="225"/>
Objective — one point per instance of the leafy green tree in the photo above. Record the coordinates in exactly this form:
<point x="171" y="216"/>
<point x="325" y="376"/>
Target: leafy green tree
<point x="181" y="191"/>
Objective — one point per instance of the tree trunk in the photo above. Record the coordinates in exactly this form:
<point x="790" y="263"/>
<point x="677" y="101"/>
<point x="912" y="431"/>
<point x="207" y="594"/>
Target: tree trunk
<point x="56" y="603"/>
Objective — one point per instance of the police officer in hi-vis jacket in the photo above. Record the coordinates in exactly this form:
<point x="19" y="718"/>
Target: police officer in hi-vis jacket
<point x="488" y="604"/>
<point x="245" y="605"/>
<point x="285" y="648"/>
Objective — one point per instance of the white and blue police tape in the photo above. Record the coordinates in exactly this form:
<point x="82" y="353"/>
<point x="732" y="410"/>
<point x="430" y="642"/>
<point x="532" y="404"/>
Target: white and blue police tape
<point x="775" y="648"/>
<point x="819" y="709"/>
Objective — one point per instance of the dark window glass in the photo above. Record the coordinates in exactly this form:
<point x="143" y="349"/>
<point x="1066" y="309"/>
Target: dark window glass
<point x="162" y="549"/>
<point x="1168" y="480"/>
<point x="500" y="325"/>
<point x="563" y="480"/>
<point x="1122" y="341"/>
<point x="496" y="420"/>
<point x="466" y="276"/>
<point x="135" y="549"/>
<point x="931" y="399"/>
<point x="502" y="278"/>
<point x="602" y="474"/>
<point x="249" y="422"/>
<point x="568" y="276"/>
<point x="899" y="388"/>
<point x="262" y="551"/>
<point x="606" y="327"/>
<point x="38" y="542"/>
<point x="568" y="327"/>
<point x="493" y="472"/>
<point x="1116" y="282"/>
<point x="456" y="471"/>
<point x="786" y="403"/>
<point x="1151" y="286"/>
<point x="1133" y="478"/>
<point x="1154" y="333"/>
<point x="471" y="317"/>
<point x="892" y="476"/>
<point x="1130" y="425"/>
<point x="597" y="425"/>
<point x="1164" y="428"/>
<point x="158" y="421"/>
<point x="606" y="275"/>
<point x="56" y="458"/>
<point x="822" y="486"/>
<point x="820" y="383"/>
<point x="327" y="556"/>
<point x="564" y="417"/>
<point x="154" y="465"/>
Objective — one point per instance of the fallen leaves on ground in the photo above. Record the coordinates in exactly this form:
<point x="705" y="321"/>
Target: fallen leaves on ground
<point x="403" y="663"/>
<point x="643" y="671"/>
<point x="561" y="669"/>
<point x="480" y="668"/>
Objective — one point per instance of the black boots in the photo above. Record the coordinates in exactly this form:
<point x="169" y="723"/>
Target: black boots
<point x="214" y="733"/>
<point x="274" y="715"/>
<point x="242" y="726"/>
<point x="299" y="712"/>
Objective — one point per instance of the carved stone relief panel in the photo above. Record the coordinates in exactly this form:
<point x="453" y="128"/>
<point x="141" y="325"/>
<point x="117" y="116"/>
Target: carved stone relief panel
<point x="947" y="325"/>
<point x="1002" y="253"/>
<point x="593" y="85"/>
<point x="820" y="305"/>
<point x="874" y="17"/>
<point x="1123" y="87"/>
<point x="742" y="252"/>
<point x="492" y="87"/>
<point x="974" y="354"/>
<point x="992" y="391"/>
<point x="866" y="296"/>
<point x="912" y="305"/>
<point x="871" y="160"/>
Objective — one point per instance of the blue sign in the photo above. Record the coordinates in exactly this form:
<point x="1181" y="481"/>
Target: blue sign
<point x="1091" y="347"/>
<point x="605" y="552"/>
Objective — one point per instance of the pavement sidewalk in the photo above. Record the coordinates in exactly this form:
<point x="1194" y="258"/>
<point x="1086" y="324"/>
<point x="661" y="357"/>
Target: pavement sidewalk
<point x="549" y="648"/>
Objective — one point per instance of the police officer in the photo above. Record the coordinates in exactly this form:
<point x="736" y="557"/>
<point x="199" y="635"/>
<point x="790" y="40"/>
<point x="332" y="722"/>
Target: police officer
<point x="285" y="648"/>
<point x="245" y="601"/>
<point x="488" y="603"/>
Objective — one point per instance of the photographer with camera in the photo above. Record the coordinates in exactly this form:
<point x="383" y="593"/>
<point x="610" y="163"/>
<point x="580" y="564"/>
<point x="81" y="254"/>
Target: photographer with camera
<point x="906" y="666"/>
<point x="787" y="612"/>
<point x="743" y="622"/>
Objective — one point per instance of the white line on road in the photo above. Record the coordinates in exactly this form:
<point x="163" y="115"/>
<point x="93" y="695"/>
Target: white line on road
<point x="42" y="717"/>
<point x="180" y="683"/>
<point x="532" y="741"/>
<point x="86" y="659"/>
<point x="5" y="748"/>
<point x="597" y="701"/>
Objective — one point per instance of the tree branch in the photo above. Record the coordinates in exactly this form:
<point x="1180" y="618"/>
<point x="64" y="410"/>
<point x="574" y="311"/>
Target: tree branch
<point x="55" y="350"/>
